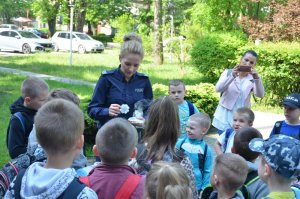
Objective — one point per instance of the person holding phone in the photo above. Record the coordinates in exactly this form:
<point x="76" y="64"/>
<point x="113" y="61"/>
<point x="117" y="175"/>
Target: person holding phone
<point x="235" y="86"/>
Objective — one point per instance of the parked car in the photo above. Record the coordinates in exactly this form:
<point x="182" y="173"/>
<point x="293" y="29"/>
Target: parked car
<point x="23" y="41"/>
<point x="8" y="27"/>
<point x="39" y="33"/>
<point x="81" y="42"/>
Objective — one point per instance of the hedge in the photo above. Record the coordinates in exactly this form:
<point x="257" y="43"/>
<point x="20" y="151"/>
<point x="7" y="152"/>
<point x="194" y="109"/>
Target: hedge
<point x="103" y="38"/>
<point x="203" y="95"/>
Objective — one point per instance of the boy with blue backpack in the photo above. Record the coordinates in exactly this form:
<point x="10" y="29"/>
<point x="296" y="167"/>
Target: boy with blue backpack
<point x="34" y="94"/>
<point x="196" y="149"/>
<point x="243" y="117"/>
<point x="186" y="108"/>
<point x="279" y="164"/>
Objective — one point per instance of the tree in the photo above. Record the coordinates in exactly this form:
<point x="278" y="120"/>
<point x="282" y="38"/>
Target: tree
<point x="10" y="9"/>
<point x="158" y="47"/>
<point x="47" y="10"/>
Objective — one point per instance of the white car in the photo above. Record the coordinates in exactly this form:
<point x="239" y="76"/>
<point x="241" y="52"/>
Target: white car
<point x="8" y="27"/>
<point x="81" y="42"/>
<point x="23" y="41"/>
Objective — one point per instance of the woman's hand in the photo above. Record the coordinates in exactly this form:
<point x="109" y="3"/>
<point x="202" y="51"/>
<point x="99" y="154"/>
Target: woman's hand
<point x="114" y="110"/>
<point x="235" y="71"/>
<point x="254" y="74"/>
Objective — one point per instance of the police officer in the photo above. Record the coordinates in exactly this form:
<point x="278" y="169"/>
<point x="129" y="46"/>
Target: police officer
<point x="119" y="89"/>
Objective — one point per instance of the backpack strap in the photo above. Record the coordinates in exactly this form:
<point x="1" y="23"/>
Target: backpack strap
<point x="201" y="159"/>
<point x="18" y="183"/>
<point x="227" y="135"/>
<point x="296" y="192"/>
<point x="181" y="143"/>
<point x="245" y="192"/>
<point x="85" y="180"/>
<point x="128" y="187"/>
<point x="73" y="190"/>
<point x="251" y="177"/>
<point x="277" y="127"/>
<point x="191" y="108"/>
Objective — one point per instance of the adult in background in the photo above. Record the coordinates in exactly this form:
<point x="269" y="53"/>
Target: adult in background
<point x="235" y="86"/>
<point x="118" y="90"/>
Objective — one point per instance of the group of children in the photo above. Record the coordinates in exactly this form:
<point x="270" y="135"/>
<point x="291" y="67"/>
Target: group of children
<point x="58" y="124"/>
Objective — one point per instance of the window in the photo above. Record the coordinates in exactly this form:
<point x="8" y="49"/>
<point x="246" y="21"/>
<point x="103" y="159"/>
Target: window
<point x="13" y="34"/>
<point x="5" y="33"/>
<point x="62" y="35"/>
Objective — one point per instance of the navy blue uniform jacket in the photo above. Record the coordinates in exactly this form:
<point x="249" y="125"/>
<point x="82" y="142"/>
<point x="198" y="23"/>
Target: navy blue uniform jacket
<point x="112" y="88"/>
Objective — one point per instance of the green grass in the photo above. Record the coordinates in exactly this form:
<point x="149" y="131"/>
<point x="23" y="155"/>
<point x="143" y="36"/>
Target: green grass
<point x="88" y="67"/>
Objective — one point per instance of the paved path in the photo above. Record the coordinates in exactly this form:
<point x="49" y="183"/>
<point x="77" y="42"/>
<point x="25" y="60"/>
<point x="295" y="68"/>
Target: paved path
<point x="263" y="121"/>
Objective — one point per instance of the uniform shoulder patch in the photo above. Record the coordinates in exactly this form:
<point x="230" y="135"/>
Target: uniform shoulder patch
<point x="107" y="72"/>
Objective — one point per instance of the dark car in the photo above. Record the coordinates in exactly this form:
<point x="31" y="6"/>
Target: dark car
<point x="39" y="33"/>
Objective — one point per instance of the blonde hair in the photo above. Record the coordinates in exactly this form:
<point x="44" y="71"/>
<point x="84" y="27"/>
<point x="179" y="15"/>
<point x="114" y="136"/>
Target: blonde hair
<point x="115" y="141"/>
<point x="202" y="119"/>
<point x="132" y="44"/>
<point x="176" y="82"/>
<point x="167" y="180"/>
<point x="59" y="123"/>
<point x="33" y="86"/>
<point x="63" y="93"/>
<point x="232" y="171"/>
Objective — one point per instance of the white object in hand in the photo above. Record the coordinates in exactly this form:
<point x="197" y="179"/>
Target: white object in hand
<point x="124" y="108"/>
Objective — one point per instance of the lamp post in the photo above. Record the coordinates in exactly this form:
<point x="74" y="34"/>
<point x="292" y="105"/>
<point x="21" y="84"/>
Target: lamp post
<point x="71" y="28"/>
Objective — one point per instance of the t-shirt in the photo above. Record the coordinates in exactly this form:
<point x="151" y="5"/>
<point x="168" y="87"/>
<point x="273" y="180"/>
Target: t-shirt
<point x="184" y="114"/>
<point x="281" y="195"/>
<point x="221" y="140"/>
<point x="292" y="130"/>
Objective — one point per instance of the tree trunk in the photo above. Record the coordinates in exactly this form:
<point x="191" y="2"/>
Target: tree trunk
<point x="81" y="16"/>
<point x="158" y="48"/>
<point x="52" y="24"/>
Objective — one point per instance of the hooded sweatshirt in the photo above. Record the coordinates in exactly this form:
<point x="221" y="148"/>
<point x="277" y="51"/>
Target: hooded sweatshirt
<point x="257" y="188"/>
<point x="237" y="195"/>
<point x="17" y="136"/>
<point x="39" y="182"/>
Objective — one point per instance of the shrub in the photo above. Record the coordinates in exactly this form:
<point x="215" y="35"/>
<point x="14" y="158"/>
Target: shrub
<point x="279" y="66"/>
<point x="103" y="38"/>
<point x="214" y="52"/>
<point x="203" y="95"/>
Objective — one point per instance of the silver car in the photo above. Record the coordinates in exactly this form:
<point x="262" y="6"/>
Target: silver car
<point x="23" y="41"/>
<point x="81" y="42"/>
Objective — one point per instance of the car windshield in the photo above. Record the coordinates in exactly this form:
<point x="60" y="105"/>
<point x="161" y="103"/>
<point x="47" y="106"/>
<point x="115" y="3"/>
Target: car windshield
<point x="28" y="34"/>
<point x="83" y="36"/>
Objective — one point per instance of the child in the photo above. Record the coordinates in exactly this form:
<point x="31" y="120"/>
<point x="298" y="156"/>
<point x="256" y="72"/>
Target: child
<point x="34" y="94"/>
<point x="229" y="173"/>
<point x="243" y="117"/>
<point x="115" y="144"/>
<point x="279" y="164"/>
<point x="185" y="108"/>
<point x="253" y="187"/>
<point x="167" y="181"/>
<point x="290" y="126"/>
<point x="35" y="149"/>
<point x="196" y="149"/>
<point x="59" y="130"/>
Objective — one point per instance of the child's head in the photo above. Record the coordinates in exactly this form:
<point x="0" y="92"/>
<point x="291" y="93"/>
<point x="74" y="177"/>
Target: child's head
<point x="62" y="93"/>
<point x="167" y="181"/>
<point x="177" y="91"/>
<point x="242" y="117"/>
<point x="292" y="107"/>
<point x="249" y="58"/>
<point x="34" y="92"/>
<point x="59" y="127"/>
<point x="198" y="125"/>
<point x="162" y="127"/>
<point x="116" y="141"/>
<point x="229" y="172"/>
<point x="280" y="158"/>
<point x="241" y="143"/>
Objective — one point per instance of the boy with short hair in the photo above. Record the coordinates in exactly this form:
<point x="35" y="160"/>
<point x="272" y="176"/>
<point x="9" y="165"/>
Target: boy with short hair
<point x="279" y="164"/>
<point x="34" y="94"/>
<point x="115" y="144"/>
<point x="196" y="149"/>
<point x="291" y="125"/>
<point x="59" y="130"/>
<point x="177" y="92"/>
<point x="253" y="187"/>
<point x="243" y="117"/>
<point x="228" y="175"/>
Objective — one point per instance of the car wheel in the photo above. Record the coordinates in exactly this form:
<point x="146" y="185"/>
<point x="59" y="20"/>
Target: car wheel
<point x="26" y="49"/>
<point x="81" y="49"/>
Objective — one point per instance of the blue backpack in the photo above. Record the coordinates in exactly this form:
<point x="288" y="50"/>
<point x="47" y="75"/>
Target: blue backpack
<point x="228" y="132"/>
